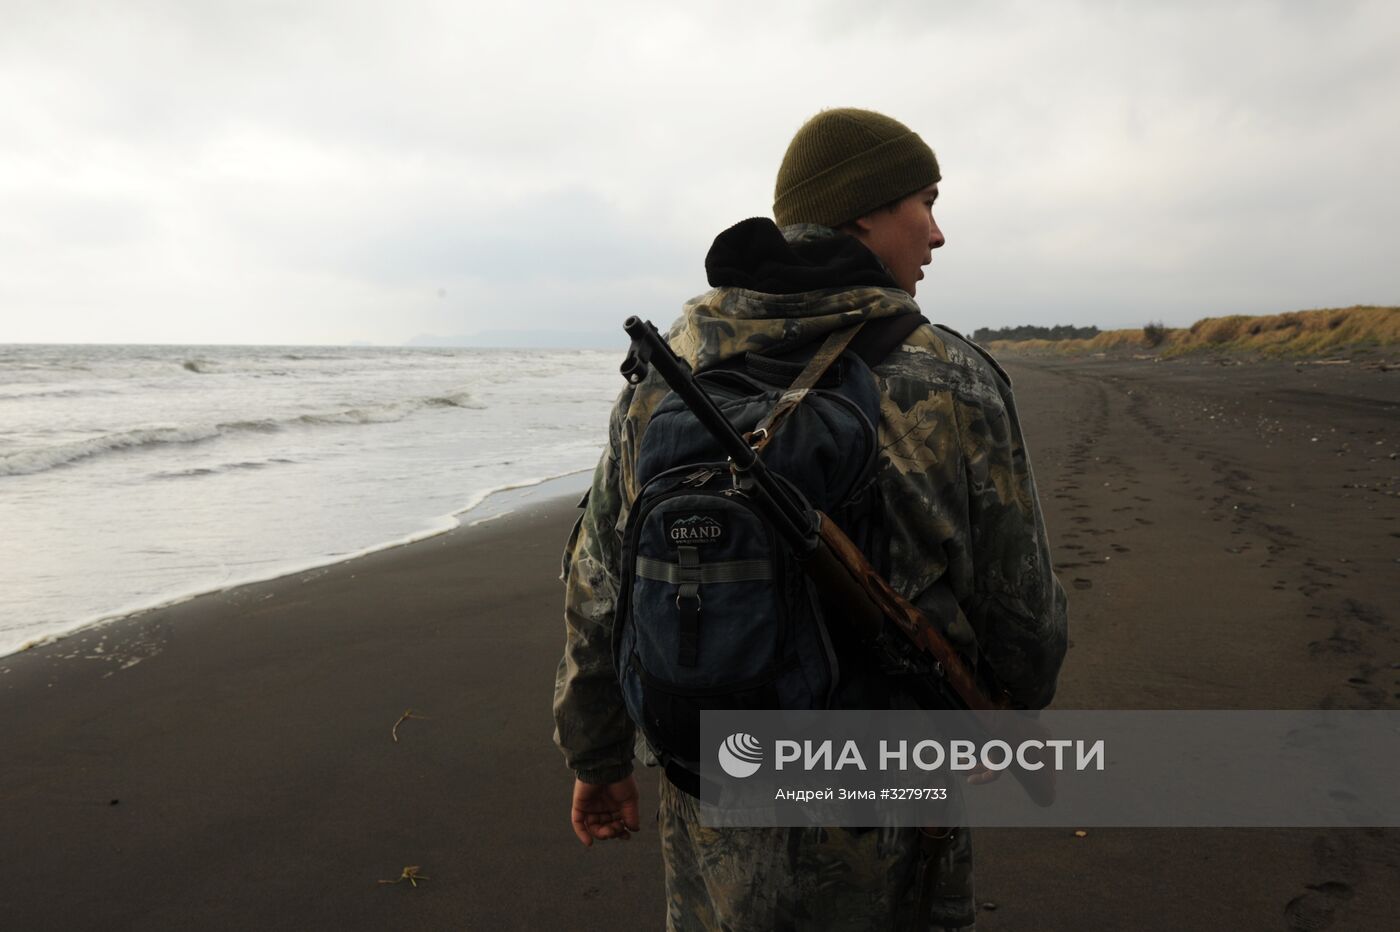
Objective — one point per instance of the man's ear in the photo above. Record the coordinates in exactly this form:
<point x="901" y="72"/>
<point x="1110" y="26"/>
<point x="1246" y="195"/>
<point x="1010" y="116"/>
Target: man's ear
<point x="858" y="227"/>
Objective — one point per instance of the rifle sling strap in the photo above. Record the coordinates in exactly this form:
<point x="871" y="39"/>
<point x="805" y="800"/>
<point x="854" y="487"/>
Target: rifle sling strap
<point x="872" y="341"/>
<point x="821" y="361"/>
<point x="883" y="336"/>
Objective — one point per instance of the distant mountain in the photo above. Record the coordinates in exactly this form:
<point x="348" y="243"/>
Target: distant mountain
<point x="529" y="339"/>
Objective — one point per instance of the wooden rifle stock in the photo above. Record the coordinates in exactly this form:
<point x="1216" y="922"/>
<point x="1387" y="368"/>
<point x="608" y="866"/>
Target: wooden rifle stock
<point x="851" y="588"/>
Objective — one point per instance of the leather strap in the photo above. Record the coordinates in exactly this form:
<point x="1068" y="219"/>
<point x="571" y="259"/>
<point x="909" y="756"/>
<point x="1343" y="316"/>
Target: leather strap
<point x="883" y="336"/>
<point x="830" y="351"/>
<point x="871" y="340"/>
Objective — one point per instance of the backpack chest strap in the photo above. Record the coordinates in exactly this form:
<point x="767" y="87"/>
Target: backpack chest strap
<point x="723" y="571"/>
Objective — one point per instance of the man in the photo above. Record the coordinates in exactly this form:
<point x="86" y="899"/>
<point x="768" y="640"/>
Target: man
<point x="966" y="541"/>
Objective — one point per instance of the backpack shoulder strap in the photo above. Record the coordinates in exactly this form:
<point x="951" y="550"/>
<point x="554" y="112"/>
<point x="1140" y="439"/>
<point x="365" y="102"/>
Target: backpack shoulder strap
<point x="879" y="338"/>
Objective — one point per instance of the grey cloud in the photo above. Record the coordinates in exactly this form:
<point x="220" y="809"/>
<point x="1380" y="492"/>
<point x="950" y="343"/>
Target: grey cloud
<point x="326" y="168"/>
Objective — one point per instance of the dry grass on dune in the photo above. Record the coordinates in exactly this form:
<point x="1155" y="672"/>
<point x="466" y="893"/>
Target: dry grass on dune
<point x="1296" y="333"/>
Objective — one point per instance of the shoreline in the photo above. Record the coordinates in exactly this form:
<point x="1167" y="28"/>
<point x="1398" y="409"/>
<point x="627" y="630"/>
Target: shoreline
<point x="244" y="740"/>
<point x="1225" y="534"/>
<point x="488" y="505"/>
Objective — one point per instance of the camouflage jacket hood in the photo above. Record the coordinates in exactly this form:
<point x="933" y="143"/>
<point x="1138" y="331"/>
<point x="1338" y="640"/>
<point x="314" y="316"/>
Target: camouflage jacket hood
<point x="776" y="290"/>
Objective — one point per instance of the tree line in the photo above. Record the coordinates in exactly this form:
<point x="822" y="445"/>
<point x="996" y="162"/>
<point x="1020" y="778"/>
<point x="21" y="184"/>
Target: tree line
<point x="1031" y="332"/>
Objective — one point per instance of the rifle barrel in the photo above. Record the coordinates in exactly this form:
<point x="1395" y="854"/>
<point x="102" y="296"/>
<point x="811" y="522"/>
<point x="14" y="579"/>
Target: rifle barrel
<point x="678" y="376"/>
<point x="796" y="522"/>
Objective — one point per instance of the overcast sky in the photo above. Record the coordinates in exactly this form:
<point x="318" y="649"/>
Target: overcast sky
<point x="326" y="172"/>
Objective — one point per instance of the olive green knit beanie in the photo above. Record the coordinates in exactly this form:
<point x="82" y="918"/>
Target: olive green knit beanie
<point x="844" y="163"/>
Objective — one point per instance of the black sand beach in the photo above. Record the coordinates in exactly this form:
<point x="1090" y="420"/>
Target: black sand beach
<point x="1229" y="536"/>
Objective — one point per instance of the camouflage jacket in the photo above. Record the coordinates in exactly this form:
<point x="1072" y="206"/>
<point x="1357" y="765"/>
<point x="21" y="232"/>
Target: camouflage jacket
<point x="967" y="540"/>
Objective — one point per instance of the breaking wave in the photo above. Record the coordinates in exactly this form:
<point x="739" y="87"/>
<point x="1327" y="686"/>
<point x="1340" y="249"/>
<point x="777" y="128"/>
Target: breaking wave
<point x="53" y="393"/>
<point x="27" y="462"/>
<point x="226" y="467"/>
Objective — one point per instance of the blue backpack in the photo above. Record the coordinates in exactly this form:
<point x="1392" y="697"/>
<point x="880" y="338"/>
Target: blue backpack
<point x="714" y="610"/>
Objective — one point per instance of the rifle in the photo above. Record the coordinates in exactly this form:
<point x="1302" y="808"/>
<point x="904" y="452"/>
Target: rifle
<point x="847" y="585"/>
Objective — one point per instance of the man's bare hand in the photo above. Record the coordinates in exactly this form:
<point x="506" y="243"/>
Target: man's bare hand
<point x="605" y="811"/>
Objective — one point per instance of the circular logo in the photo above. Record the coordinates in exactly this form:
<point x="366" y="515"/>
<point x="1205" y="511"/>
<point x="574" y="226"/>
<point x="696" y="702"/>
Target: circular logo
<point x="740" y="755"/>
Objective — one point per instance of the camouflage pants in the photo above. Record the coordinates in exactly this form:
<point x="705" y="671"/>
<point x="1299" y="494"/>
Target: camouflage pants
<point x="742" y="879"/>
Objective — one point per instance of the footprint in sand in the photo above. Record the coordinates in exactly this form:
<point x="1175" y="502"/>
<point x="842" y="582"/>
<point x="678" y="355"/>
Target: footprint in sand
<point x="1082" y="583"/>
<point x="1314" y="910"/>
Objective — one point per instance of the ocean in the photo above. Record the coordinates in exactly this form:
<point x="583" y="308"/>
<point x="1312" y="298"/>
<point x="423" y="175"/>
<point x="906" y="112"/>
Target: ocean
<point x="133" y="476"/>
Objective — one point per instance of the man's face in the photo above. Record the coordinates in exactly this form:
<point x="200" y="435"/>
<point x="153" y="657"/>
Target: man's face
<point x="903" y="236"/>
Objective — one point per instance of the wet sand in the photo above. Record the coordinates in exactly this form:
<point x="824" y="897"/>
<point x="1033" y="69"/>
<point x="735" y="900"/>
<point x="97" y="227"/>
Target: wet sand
<point x="1229" y="537"/>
